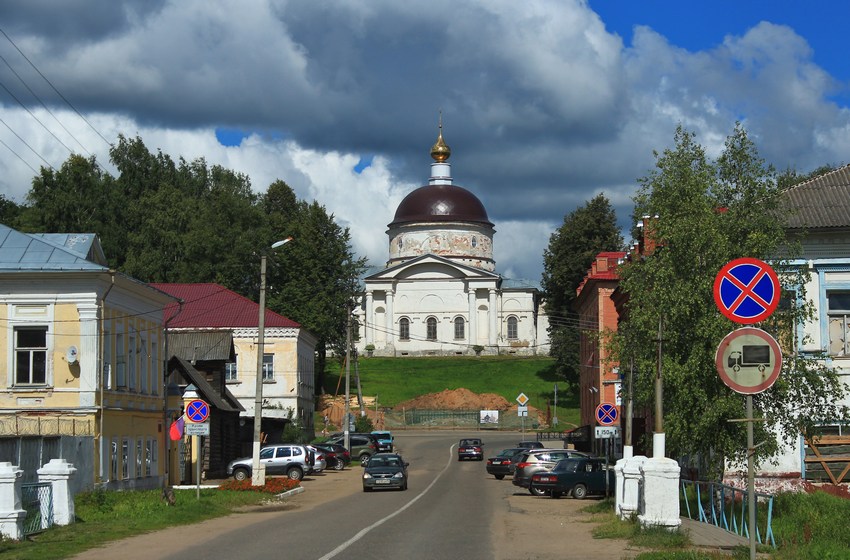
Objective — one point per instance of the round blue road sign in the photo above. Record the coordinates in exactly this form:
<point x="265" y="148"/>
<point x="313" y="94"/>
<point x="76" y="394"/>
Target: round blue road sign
<point x="746" y="290"/>
<point x="197" y="411"/>
<point x="606" y="414"/>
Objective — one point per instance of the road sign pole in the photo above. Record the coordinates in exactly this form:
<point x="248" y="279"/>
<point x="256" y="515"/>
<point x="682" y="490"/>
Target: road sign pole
<point x="751" y="477"/>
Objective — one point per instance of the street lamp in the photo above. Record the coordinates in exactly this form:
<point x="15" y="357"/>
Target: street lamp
<point x="258" y="474"/>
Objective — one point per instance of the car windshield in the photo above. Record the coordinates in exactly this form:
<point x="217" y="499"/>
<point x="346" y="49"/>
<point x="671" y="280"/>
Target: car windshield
<point x="508" y="452"/>
<point x="468" y="442"/>
<point x="384" y="462"/>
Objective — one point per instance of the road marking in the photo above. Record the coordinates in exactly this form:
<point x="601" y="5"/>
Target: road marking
<point x="380" y="522"/>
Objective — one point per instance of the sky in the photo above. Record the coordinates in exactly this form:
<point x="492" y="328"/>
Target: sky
<point x="544" y="103"/>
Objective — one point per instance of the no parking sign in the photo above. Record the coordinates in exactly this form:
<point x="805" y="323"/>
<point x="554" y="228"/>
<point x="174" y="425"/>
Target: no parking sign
<point x="746" y="290"/>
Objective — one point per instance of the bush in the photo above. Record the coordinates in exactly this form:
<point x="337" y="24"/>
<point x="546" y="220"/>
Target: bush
<point x="363" y="424"/>
<point x="272" y="485"/>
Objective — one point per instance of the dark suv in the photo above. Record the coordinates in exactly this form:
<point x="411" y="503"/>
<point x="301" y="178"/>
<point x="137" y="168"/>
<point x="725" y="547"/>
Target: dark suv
<point x="540" y="460"/>
<point x="362" y="446"/>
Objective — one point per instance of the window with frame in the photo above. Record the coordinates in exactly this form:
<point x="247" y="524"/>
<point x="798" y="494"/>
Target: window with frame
<point x="460" y="328"/>
<point x="144" y="371"/>
<point x="431" y="328"/>
<point x="838" y="310"/>
<point x="140" y="457"/>
<point x="268" y="367"/>
<point x="231" y="371"/>
<point x="404" y="329"/>
<point x="150" y="457"/>
<point x="113" y="460"/>
<point x="30" y="355"/>
<point x="125" y="459"/>
<point x="156" y="381"/>
<point x="120" y="361"/>
<point x="513" y="331"/>
<point x="107" y="358"/>
<point x="131" y="363"/>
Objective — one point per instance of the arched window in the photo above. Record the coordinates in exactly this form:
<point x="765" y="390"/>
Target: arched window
<point x="404" y="329"/>
<point x="431" y="329"/>
<point x="512" y="328"/>
<point x="460" y="324"/>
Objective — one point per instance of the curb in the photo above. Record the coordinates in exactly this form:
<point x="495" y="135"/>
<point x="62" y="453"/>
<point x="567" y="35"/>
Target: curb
<point x="292" y="492"/>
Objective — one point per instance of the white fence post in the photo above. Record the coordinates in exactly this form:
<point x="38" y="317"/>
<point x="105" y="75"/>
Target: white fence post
<point x="11" y="513"/>
<point x="58" y="473"/>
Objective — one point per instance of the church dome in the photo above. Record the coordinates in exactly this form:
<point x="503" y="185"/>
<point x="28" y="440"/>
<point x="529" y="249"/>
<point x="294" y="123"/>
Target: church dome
<point x="440" y="203"/>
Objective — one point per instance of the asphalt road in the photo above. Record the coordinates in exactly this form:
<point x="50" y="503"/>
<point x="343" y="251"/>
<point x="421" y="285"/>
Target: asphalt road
<point x="452" y="509"/>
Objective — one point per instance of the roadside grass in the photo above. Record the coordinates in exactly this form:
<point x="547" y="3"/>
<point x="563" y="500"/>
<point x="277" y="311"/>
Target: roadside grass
<point x="104" y="516"/>
<point x="806" y="527"/>
<point x="395" y="380"/>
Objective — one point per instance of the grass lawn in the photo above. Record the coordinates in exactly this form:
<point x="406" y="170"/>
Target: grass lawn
<point x="395" y="380"/>
<point x="108" y="516"/>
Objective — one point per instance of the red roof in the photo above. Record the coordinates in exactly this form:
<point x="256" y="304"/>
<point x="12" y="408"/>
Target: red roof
<point x="213" y="306"/>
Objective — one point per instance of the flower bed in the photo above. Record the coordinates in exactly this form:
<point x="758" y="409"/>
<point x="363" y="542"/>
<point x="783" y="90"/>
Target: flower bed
<point x="272" y="485"/>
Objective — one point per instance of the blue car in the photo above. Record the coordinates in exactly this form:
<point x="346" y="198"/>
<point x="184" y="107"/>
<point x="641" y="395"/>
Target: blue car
<point x="385" y="441"/>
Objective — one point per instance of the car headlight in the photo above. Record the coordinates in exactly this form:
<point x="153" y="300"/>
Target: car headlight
<point x="367" y="475"/>
<point x="398" y="475"/>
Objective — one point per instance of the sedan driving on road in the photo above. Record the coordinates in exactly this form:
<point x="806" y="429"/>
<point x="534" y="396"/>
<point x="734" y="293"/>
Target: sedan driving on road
<point x="385" y="470"/>
<point x="470" y="449"/>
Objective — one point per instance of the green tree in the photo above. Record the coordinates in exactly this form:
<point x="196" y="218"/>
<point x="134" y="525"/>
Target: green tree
<point x="79" y="197"/>
<point x="709" y="213"/>
<point x="9" y="212"/>
<point x="586" y="231"/>
<point x="316" y="278"/>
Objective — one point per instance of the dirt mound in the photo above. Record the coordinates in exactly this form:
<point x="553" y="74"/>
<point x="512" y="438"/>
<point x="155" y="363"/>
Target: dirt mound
<point x="456" y="399"/>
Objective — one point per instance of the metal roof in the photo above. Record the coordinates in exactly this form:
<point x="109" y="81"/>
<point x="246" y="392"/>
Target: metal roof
<point x="58" y="252"/>
<point x="201" y="346"/>
<point x="822" y="202"/>
<point x="212" y="306"/>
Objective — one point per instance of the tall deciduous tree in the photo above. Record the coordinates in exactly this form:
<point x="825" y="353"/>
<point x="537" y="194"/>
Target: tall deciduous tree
<point x="315" y="279"/>
<point x="708" y="213"/>
<point x="586" y="231"/>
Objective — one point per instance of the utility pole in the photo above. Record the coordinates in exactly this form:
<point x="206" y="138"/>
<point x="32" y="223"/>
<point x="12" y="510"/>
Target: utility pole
<point x="346" y="421"/>
<point x="658" y="450"/>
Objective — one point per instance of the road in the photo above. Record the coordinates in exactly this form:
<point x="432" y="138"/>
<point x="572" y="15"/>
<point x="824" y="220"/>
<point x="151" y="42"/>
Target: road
<point x="451" y="509"/>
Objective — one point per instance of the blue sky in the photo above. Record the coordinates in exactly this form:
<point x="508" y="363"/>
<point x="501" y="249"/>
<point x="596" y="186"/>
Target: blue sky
<point x="545" y="103"/>
<point x="702" y="25"/>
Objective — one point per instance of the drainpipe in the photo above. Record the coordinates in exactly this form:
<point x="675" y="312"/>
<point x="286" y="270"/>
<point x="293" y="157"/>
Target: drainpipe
<point x="102" y="365"/>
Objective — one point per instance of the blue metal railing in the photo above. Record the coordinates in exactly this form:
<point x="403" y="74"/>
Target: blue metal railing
<point x="37" y="501"/>
<point x="726" y="507"/>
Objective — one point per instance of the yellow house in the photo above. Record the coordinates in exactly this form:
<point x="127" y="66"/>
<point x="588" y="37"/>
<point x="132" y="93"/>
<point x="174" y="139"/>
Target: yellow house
<point x="83" y="350"/>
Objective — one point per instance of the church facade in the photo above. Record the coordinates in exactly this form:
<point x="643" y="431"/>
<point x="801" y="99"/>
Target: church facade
<point x="440" y="293"/>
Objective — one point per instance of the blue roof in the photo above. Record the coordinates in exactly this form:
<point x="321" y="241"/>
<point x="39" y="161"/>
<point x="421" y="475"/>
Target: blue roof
<point x="59" y="252"/>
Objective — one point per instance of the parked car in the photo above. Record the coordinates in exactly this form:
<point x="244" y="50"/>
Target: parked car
<point x="288" y="459"/>
<point x="579" y="476"/>
<point x="362" y="446"/>
<point x="336" y="455"/>
<point x="385" y="441"/>
<point x="385" y="470"/>
<point x="470" y="449"/>
<point x="533" y="461"/>
<point x="501" y="466"/>
<point x="532" y="444"/>
<point x="320" y="463"/>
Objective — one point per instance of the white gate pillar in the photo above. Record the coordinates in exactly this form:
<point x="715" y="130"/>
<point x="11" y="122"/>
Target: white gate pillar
<point x="11" y="513"/>
<point x="58" y="473"/>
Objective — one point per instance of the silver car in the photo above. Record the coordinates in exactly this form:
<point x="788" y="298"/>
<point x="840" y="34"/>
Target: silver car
<point x="286" y="459"/>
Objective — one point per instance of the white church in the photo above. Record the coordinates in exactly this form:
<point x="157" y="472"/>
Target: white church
<point x="440" y="293"/>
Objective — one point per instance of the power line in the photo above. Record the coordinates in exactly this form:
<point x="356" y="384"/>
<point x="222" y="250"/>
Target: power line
<point x="54" y="88"/>
<point x="42" y="104"/>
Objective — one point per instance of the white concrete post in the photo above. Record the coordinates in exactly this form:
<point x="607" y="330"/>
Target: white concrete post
<point x="628" y="485"/>
<point x="12" y="515"/>
<point x="659" y="500"/>
<point x="58" y="473"/>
